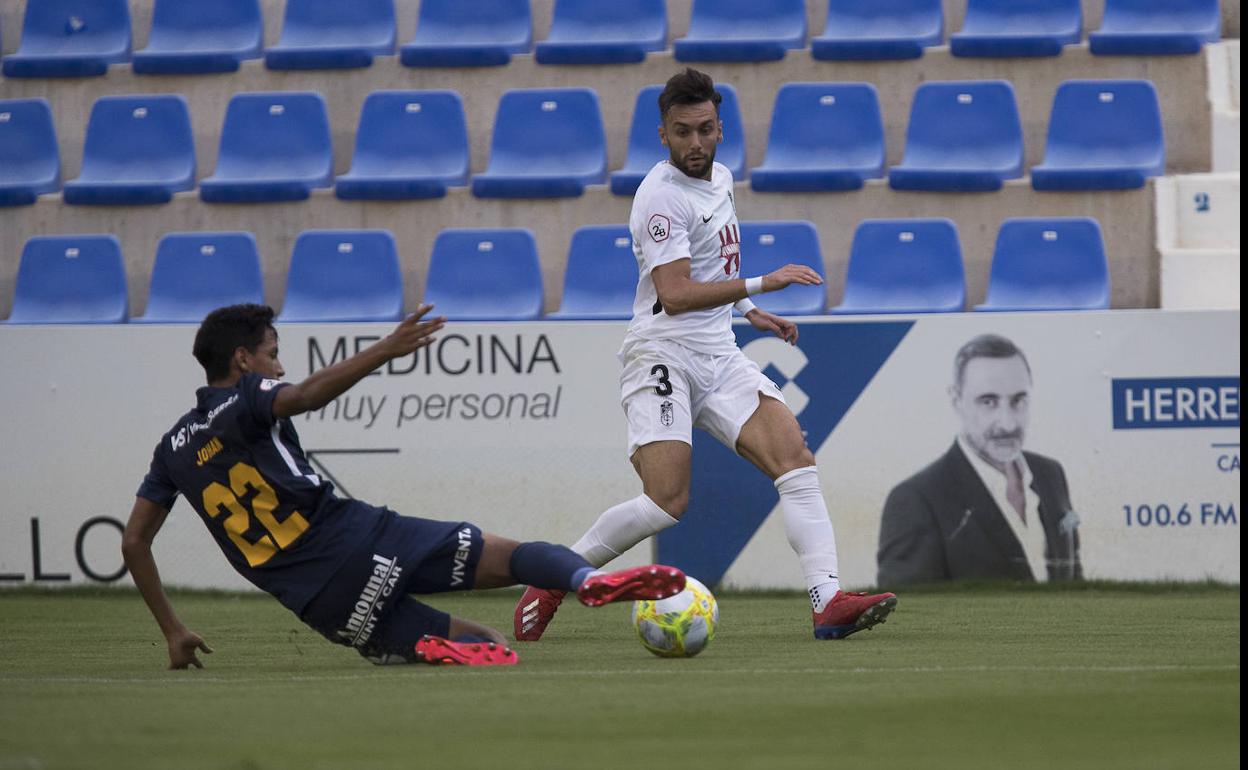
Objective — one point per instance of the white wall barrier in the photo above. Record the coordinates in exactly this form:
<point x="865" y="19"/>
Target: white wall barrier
<point x="1198" y="225"/>
<point x="517" y="427"/>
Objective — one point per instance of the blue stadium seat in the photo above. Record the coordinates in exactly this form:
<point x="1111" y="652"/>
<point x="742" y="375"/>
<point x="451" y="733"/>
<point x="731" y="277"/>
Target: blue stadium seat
<point x="274" y="147"/>
<point x="1048" y="264"/>
<point x="481" y="33"/>
<point x="884" y="29"/>
<point x="344" y="275"/>
<point x="70" y="279"/>
<point x="196" y="273"/>
<point x="1103" y="135"/>
<point x="548" y="143"/>
<point x="1152" y="27"/>
<point x="769" y="246"/>
<point x="742" y="30"/>
<point x="600" y="281"/>
<point x="964" y="136"/>
<point x="30" y="162"/>
<point x="485" y="275"/>
<point x="904" y="266"/>
<point x="192" y="37"/>
<point x="594" y="32"/>
<point x="332" y="34"/>
<point x="1018" y="28"/>
<point x="70" y="38"/>
<point x="645" y="148"/>
<point x="409" y="144"/>
<point x="138" y="150"/>
<point x="824" y="136"/>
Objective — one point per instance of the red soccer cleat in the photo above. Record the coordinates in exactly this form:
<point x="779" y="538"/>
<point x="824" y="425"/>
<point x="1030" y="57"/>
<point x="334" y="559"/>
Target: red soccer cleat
<point x="850" y="613"/>
<point x="534" y="612"/>
<point x="654" y="581"/>
<point x="437" y="651"/>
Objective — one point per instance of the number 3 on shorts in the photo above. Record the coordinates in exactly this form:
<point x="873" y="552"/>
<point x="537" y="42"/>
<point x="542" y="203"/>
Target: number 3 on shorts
<point x="664" y="388"/>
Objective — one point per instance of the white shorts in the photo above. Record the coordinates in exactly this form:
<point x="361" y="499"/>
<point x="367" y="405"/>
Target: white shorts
<point x="667" y="390"/>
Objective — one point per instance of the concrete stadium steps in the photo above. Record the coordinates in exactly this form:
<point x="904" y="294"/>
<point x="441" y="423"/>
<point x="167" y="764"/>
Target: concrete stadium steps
<point x="1126" y="218"/>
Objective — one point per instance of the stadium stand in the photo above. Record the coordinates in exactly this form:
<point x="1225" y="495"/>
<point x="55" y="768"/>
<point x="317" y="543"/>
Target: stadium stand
<point x="900" y="29"/>
<point x="70" y="279"/>
<point x="452" y="33"/>
<point x="963" y="137"/>
<point x="1018" y="28"/>
<point x="548" y="143"/>
<point x="190" y="38"/>
<point x="274" y="147"/>
<point x="70" y="38"/>
<point x="1198" y="223"/>
<point x="1103" y="135"/>
<point x="195" y="273"/>
<point x="344" y="275"/>
<point x="742" y="30"/>
<point x="904" y="266"/>
<point x="30" y="162"/>
<point x="409" y="144"/>
<point x="332" y="35"/>
<point x="1048" y="264"/>
<point x="824" y="136"/>
<point x="769" y="246"/>
<point x="139" y="149"/>
<point x="1156" y="27"/>
<point x="485" y="275"/>
<point x="594" y="32"/>
<point x="601" y="278"/>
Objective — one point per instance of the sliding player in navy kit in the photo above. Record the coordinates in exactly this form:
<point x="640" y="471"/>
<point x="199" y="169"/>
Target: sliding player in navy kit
<point x="346" y="568"/>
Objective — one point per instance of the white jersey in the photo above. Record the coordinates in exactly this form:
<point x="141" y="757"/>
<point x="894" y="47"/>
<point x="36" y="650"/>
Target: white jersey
<point x="676" y="216"/>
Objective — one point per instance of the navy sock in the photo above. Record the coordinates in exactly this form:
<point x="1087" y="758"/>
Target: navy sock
<point x="543" y="565"/>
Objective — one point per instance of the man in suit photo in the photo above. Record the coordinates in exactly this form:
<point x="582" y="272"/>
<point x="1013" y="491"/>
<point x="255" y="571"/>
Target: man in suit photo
<point x="986" y="508"/>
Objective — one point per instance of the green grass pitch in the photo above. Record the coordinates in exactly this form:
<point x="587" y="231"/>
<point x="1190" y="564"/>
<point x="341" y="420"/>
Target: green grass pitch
<point x="979" y="677"/>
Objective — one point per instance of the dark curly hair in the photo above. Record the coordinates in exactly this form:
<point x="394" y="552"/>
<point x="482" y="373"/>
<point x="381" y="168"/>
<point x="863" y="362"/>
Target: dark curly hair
<point x="688" y="87"/>
<point x="227" y="329"/>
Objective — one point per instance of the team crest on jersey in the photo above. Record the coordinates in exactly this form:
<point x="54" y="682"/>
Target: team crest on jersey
<point x="659" y="227"/>
<point x="666" y="414"/>
<point x="730" y="249"/>
<point x="269" y="384"/>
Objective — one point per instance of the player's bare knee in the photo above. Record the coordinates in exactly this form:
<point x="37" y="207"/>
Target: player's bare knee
<point x="673" y="502"/>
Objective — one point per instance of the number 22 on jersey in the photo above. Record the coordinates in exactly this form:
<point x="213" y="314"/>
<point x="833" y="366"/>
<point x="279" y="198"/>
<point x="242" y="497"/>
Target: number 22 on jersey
<point x="218" y="497"/>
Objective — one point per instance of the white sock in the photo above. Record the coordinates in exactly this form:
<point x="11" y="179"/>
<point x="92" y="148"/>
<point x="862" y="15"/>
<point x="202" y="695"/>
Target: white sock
<point x="620" y="528"/>
<point x="810" y="532"/>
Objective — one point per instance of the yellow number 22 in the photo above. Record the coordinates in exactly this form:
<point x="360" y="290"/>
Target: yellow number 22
<point x="218" y="497"/>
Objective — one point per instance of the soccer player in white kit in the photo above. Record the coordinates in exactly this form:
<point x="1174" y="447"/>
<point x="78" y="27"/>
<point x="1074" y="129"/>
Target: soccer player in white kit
<point x="683" y="369"/>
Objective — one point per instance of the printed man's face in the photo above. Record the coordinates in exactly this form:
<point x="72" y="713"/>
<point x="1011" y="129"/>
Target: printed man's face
<point x="994" y="404"/>
<point x="691" y="132"/>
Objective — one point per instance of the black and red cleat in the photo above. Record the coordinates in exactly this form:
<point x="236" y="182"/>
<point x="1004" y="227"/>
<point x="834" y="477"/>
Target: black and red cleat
<point x="653" y="581"/>
<point x="437" y="651"/>
<point x="849" y="613"/>
<point x="534" y="612"/>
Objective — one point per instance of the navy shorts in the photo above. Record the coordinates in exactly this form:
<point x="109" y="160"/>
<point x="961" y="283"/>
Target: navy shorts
<point x="366" y="604"/>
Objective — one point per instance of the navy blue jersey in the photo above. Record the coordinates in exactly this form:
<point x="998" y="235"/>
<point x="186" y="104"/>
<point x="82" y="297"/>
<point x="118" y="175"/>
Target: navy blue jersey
<point x="244" y="472"/>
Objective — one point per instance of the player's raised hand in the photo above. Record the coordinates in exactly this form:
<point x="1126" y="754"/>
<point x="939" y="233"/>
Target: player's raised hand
<point x="791" y="274"/>
<point x="182" y="647"/>
<point x="415" y="331"/>
<point x="767" y="322"/>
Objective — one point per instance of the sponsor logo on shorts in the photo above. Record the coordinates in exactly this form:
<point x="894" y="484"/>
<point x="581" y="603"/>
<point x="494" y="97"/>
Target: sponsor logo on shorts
<point x="666" y="414"/>
<point x="460" y="564"/>
<point x="380" y="585"/>
<point x="659" y="226"/>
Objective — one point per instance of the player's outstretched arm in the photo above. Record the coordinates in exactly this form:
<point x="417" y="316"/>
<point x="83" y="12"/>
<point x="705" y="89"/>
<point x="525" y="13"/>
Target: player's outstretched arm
<point x="679" y="293"/>
<point x="146" y="519"/>
<point x="324" y="385"/>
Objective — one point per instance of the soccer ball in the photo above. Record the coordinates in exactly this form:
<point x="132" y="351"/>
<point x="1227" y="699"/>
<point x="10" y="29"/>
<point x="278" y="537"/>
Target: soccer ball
<point x="679" y="626"/>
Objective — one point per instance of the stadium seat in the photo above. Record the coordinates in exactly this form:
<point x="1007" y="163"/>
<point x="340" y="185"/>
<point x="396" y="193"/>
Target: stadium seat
<point x="904" y="266"/>
<point x="70" y="279"/>
<point x="769" y="246"/>
<point x="824" y="136"/>
<point x="894" y="29"/>
<point x="274" y="147"/>
<point x="1103" y="135"/>
<point x="190" y="37"/>
<point x="645" y="148"/>
<point x="30" y="161"/>
<point x="742" y="30"/>
<point x="594" y="32"/>
<point x="1048" y="264"/>
<point x="548" y="143"/>
<point x="70" y="38"/>
<point x="344" y="275"/>
<point x="331" y="34"/>
<point x="481" y="33"/>
<point x="139" y="149"/>
<point x="964" y="136"/>
<point x="485" y="275"/>
<point x="1153" y="27"/>
<point x="409" y="144"/>
<point x="1018" y="28"/>
<point x="600" y="281"/>
<point x="196" y="273"/>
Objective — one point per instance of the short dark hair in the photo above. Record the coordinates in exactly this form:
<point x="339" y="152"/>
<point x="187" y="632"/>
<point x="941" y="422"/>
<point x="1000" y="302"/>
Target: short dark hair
<point x="227" y="329"/>
<point x="688" y="87"/>
<point x="984" y="346"/>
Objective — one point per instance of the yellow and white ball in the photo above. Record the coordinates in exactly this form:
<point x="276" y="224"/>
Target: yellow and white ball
<point x="679" y="626"/>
